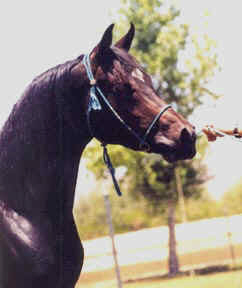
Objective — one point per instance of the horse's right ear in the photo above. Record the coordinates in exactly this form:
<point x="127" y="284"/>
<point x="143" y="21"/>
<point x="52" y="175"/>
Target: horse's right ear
<point x="126" y="41"/>
<point x="105" y="43"/>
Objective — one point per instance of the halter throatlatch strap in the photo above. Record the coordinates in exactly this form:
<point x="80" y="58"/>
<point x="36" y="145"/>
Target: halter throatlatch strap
<point x="94" y="104"/>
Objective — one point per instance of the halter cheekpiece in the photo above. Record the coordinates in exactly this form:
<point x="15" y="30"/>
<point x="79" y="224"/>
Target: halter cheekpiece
<point x="94" y="104"/>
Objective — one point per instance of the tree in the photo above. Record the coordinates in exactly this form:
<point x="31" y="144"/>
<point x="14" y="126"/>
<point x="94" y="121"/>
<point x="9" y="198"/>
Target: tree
<point x="160" y="45"/>
<point x="232" y="199"/>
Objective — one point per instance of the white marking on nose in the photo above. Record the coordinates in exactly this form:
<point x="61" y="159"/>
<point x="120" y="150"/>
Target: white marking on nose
<point x="138" y="74"/>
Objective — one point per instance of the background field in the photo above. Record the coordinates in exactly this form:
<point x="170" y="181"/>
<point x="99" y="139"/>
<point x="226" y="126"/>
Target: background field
<point x="219" y="256"/>
<point x="144" y="254"/>
<point x="219" y="280"/>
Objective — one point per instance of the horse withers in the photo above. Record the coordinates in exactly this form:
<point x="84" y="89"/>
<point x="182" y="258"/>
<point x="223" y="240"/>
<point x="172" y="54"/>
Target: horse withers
<point x="41" y="145"/>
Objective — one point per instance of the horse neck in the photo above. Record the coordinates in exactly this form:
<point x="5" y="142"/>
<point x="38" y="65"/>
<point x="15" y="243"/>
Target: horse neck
<point x="41" y="146"/>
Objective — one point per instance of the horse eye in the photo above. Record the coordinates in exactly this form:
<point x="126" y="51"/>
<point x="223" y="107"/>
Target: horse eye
<point x="164" y="127"/>
<point x="128" y="90"/>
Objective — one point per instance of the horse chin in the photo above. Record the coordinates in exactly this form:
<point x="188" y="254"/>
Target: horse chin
<point x="172" y="153"/>
<point x="173" y="157"/>
<point x="169" y="158"/>
<point x="167" y="152"/>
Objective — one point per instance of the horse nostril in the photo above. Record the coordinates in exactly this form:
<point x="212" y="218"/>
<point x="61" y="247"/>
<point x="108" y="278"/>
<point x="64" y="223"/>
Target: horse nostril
<point x="194" y="135"/>
<point x="186" y="136"/>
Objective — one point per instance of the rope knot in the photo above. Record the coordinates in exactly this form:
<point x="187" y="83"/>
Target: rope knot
<point x="93" y="82"/>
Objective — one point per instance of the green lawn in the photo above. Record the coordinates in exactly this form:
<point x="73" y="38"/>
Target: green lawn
<point x="218" y="280"/>
<point x="209" y="257"/>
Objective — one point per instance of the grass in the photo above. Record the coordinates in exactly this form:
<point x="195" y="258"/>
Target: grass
<point x="218" y="280"/>
<point x="227" y="279"/>
<point x="215" y="256"/>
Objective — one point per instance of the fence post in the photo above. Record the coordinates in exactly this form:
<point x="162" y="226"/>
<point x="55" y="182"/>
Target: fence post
<point x="105" y="192"/>
<point x="229" y="237"/>
<point x="180" y="193"/>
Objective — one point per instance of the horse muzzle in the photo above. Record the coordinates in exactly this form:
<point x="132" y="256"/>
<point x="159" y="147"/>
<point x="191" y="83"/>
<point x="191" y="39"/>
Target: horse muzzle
<point x="182" y="149"/>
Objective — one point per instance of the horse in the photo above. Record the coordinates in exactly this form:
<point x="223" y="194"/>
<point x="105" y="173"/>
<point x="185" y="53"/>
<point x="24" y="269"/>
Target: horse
<point x="41" y="145"/>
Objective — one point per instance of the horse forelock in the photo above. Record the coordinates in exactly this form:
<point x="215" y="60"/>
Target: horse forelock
<point x="125" y="59"/>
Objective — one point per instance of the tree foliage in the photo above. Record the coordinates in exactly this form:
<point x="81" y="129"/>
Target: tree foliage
<point x="127" y="215"/>
<point x="232" y="199"/>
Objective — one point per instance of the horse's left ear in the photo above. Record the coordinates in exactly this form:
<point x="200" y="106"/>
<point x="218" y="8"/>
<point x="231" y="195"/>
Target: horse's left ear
<point x="106" y="40"/>
<point x="105" y="43"/>
<point x="126" y="41"/>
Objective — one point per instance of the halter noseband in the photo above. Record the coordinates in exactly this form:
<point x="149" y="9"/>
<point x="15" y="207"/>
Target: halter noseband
<point x="94" y="104"/>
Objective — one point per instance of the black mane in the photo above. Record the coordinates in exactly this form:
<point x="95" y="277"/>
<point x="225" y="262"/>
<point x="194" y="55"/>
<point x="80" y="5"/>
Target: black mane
<point x="52" y="80"/>
<point x="33" y="121"/>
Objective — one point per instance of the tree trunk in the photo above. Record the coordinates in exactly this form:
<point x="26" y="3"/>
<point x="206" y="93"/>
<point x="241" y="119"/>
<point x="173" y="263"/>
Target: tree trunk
<point x="173" y="259"/>
<point x="180" y="193"/>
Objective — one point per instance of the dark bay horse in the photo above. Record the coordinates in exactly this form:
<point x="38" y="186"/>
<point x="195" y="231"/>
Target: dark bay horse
<point x="40" y="148"/>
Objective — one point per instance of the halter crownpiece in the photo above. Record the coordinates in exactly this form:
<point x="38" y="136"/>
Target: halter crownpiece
<point x="94" y="104"/>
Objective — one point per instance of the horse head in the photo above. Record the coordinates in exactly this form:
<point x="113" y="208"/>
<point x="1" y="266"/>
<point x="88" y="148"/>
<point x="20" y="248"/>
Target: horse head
<point x="147" y="120"/>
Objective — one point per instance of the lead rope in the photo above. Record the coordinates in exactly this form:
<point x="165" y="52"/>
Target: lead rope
<point x="235" y="136"/>
<point x="111" y="169"/>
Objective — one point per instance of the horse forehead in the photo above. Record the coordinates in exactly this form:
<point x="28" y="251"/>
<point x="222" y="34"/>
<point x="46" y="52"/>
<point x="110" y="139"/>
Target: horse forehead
<point x="137" y="73"/>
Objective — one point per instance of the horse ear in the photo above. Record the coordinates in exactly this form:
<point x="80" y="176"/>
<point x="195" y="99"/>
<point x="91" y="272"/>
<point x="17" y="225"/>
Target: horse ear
<point x="105" y="42"/>
<point x="125" y="42"/>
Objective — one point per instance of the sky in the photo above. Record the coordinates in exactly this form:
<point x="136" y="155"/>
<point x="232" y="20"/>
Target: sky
<point x="222" y="24"/>
<point x="36" y="35"/>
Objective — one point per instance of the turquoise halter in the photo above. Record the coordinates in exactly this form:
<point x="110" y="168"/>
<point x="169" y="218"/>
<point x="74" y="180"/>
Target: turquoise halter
<point x="94" y="104"/>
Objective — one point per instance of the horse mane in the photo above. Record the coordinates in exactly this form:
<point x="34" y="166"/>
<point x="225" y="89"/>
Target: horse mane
<point x="32" y="124"/>
<point x="52" y="80"/>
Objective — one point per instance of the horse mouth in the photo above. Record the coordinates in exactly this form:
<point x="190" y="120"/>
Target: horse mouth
<point x="181" y="155"/>
<point x="175" y="153"/>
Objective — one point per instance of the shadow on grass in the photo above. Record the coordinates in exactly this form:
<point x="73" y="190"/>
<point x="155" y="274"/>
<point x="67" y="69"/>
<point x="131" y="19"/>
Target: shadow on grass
<point x="201" y="271"/>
